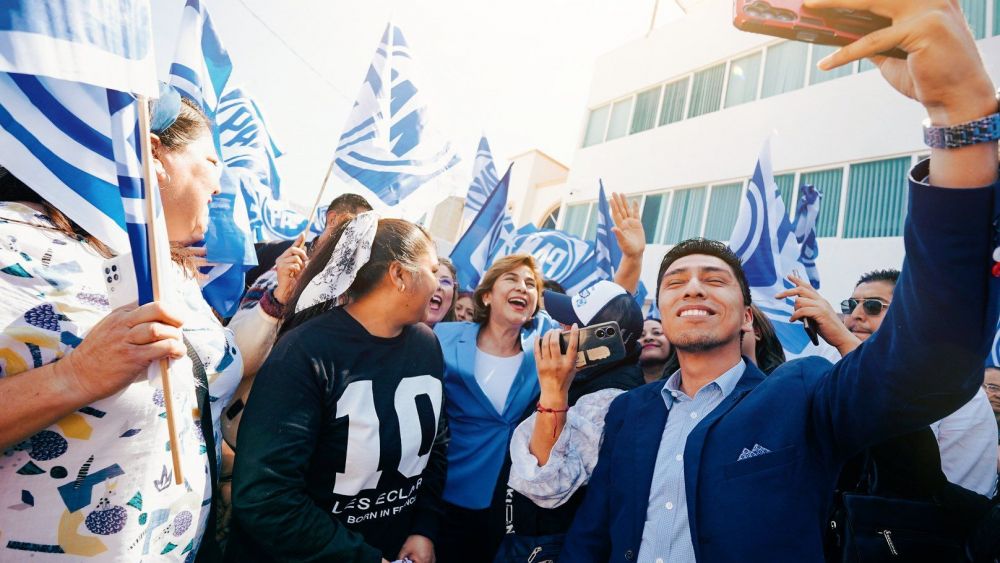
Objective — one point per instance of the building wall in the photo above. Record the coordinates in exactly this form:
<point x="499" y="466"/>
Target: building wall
<point x="834" y="123"/>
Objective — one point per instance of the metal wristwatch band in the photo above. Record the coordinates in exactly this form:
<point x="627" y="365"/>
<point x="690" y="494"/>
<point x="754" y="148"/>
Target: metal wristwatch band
<point x="983" y="130"/>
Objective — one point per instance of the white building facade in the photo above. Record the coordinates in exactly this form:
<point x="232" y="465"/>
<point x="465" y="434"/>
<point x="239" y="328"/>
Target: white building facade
<point x="676" y="120"/>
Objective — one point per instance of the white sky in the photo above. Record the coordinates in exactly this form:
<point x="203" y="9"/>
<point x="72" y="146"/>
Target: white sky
<point x="518" y="70"/>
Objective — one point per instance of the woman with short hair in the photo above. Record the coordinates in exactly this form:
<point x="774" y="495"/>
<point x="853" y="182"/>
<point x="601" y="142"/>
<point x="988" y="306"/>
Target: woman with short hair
<point x="490" y="384"/>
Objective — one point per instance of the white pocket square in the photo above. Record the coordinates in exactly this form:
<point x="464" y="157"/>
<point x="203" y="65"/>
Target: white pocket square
<point x="757" y="450"/>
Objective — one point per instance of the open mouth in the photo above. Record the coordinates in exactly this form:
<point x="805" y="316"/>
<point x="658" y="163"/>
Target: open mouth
<point x="688" y="312"/>
<point x="519" y="304"/>
<point x="436" y="302"/>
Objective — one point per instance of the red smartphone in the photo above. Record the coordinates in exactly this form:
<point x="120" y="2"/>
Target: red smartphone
<point x="791" y="20"/>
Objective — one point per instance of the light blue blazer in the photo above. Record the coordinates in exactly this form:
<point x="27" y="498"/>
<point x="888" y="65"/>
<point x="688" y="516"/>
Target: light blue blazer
<point x="480" y="436"/>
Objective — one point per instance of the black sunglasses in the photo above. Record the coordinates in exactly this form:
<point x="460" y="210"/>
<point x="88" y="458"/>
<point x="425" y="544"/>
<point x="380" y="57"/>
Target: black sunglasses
<point x="873" y="306"/>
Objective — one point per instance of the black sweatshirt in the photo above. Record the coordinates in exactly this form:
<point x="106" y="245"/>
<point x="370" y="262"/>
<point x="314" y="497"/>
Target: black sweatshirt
<point x="342" y="445"/>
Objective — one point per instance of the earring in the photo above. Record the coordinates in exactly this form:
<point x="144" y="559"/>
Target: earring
<point x="402" y="288"/>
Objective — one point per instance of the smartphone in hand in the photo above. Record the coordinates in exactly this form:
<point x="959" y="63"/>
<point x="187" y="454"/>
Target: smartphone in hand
<point x="599" y="344"/>
<point x="791" y="20"/>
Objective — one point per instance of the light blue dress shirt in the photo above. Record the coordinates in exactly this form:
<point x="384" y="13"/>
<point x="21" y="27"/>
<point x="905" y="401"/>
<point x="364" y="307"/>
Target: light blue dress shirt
<point x="666" y="536"/>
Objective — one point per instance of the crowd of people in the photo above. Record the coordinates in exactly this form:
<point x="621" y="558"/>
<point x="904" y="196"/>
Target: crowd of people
<point x="359" y="407"/>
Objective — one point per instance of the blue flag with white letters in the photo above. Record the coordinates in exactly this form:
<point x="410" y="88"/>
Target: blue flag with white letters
<point x="389" y="151"/>
<point x="474" y="252"/>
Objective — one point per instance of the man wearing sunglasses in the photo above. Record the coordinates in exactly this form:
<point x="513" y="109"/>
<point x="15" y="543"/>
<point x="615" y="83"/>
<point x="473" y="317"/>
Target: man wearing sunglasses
<point x="966" y="437"/>
<point x="864" y="311"/>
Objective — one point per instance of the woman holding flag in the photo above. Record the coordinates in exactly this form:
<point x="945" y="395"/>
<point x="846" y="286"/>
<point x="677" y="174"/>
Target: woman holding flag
<point x="87" y="472"/>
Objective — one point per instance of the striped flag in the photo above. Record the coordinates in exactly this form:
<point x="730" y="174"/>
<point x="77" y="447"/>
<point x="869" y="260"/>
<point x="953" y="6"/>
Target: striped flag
<point x="201" y="71"/>
<point x="474" y="252"/>
<point x="484" y="179"/>
<point x="77" y="145"/>
<point x="106" y="43"/>
<point x="388" y="152"/>
<point x="805" y="230"/>
<point x="765" y="242"/>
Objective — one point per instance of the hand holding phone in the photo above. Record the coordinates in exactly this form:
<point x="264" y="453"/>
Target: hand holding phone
<point x="599" y="344"/>
<point x="791" y="20"/>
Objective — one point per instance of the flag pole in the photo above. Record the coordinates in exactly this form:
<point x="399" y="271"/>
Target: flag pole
<point x="147" y="177"/>
<point x="319" y="198"/>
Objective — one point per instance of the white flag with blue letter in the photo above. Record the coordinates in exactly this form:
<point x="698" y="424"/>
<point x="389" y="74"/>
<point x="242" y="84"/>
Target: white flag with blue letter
<point x="484" y="179"/>
<point x="557" y="254"/>
<point x="107" y="43"/>
<point x="388" y="152"/>
<point x="201" y="71"/>
<point x="765" y="242"/>
<point x="474" y="252"/>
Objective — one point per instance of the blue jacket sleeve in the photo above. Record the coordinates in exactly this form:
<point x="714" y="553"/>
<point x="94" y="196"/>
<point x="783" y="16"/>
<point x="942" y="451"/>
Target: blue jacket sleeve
<point x="926" y="359"/>
<point x="589" y="537"/>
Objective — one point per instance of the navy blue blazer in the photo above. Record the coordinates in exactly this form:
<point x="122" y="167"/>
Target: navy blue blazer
<point x="924" y="363"/>
<point x="480" y="435"/>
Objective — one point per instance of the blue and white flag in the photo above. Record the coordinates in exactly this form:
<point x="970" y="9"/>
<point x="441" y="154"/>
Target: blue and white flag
<point x="557" y="254"/>
<point x="474" y="252"/>
<point x="388" y="152"/>
<point x="765" y="243"/>
<point x="805" y="230"/>
<point x="606" y="250"/>
<point x="484" y="179"/>
<point x="77" y="145"/>
<point x="201" y="71"/>
<point x="248" y="150"/>
<point x="106" y="43"/>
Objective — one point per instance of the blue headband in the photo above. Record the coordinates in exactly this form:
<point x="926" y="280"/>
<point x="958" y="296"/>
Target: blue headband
<point x="166" y="109"/>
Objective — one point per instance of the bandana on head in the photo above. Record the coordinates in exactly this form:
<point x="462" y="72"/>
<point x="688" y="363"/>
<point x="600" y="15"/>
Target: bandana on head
<point x="165" y="109"/>
<point x="351" y="253"/>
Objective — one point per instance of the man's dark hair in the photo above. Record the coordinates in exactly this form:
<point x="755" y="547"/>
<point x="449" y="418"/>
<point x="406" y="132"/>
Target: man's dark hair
<point x="553" y="285"/>
<point x="890" y="275"/>
<point x="709" y="248"/>
<point x="349" y="203"/>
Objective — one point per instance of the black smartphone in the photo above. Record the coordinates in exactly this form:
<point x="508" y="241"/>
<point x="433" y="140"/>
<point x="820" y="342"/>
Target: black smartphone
<point x="599" y="344"/>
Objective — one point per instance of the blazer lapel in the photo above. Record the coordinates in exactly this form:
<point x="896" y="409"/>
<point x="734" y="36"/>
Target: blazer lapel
<point x="646" y="435"/>
<point x="696" y="441"/>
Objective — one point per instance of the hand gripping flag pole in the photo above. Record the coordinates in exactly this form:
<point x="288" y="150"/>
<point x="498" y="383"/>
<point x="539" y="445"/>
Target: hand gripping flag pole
<point x="150" y="203"/>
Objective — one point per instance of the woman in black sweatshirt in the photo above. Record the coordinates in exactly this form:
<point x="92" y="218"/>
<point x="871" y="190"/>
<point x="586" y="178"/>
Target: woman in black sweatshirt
<point x="342" y="445"/>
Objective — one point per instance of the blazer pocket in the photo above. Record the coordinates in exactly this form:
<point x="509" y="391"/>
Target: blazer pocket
<point x="776" y="458"/>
